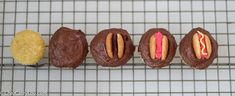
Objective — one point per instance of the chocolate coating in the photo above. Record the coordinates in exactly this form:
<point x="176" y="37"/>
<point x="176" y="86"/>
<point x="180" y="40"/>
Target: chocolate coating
<point x="67" y="48"/>
<point x="187" y="51"/>
<point x="144" y="48"/>
<point x="98" y="48"/>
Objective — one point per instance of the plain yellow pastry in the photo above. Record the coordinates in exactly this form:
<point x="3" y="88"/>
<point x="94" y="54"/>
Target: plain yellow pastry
<point x="27" y="47"/>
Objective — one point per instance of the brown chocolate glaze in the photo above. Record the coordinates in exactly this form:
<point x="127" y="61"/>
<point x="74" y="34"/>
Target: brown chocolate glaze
<point x="144" y="48"/>
<point x="187" y="51"/>
<point x="98" y="48"/>
<point x="67" y="48"/>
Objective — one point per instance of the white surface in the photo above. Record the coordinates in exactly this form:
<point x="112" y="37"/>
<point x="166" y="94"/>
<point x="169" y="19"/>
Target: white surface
<point x="136" y="17"/>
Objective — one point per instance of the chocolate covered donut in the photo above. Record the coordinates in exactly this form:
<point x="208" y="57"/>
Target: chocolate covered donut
<point x="112" y="47"/>
<point x="67" y="48"/>
<point x="157" y="47"/>
<point x="198" y="48"/>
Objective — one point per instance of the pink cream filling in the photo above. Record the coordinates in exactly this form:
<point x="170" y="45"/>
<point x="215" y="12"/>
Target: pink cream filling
<point x="158" y="51"/>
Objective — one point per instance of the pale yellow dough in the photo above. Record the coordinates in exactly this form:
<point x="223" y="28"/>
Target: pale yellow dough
<point x="27" y="47"/>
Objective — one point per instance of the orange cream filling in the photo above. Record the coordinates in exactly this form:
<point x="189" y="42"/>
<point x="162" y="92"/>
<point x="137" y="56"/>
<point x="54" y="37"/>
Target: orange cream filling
<point x="203" y="48"/>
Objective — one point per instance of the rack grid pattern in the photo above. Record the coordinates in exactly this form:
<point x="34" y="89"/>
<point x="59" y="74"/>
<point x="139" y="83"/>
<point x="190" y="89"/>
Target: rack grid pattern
<point x="134" y="78"/>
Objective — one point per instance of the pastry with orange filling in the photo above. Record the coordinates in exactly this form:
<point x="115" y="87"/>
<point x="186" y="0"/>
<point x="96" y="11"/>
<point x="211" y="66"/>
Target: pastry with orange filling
<point x="198" y="48"/>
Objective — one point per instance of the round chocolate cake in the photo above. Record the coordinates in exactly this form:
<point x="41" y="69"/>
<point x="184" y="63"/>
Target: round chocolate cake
<point x="157" y="47"/>
<point x="112" y="47"/>
<point x="67" y="48"/>
<point x="198" y="48"/>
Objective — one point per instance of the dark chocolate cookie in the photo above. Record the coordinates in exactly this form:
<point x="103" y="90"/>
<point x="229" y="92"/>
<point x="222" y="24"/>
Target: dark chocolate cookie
<point x="198" y="48"/>
<point x="157" y="47"/>
<point x="112" y="47"/>
<point x="67" y="48"/>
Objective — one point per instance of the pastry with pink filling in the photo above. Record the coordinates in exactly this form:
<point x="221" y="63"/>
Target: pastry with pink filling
<point x="157" y="47"/>
<point x="198" y="48"/>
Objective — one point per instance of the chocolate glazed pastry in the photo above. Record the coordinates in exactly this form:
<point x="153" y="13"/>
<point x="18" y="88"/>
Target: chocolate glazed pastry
<point x="198" y="48"/>
<point x="157" y="47"/>
<point x="67" y="48"/>
<point x="112" y="47"/>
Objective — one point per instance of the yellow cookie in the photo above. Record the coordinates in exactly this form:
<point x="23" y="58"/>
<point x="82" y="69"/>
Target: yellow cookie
<point x="27" y="47"/>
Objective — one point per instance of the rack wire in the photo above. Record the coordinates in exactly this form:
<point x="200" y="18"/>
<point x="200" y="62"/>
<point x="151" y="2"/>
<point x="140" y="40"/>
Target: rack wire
<point x="134" y="78"/>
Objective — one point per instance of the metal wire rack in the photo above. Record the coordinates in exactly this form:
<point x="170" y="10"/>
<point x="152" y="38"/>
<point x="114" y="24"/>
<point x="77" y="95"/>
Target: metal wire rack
<point x="134" y="78"/>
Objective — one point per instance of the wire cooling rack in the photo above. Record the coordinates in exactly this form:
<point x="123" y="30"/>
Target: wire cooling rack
<point x="134" y="78"/>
